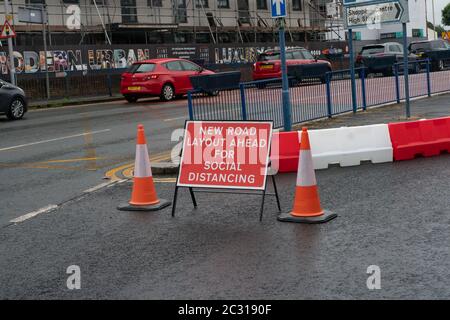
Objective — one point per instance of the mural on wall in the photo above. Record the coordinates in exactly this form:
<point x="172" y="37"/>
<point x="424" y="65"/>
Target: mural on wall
<point x="69" y="60"/>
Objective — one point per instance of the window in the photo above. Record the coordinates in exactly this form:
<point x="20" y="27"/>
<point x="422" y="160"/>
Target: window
<point x="188" y="66"/>
<point x="302" y="55"/>
<point x="297" y="5"/>
<point x="129" y="12"/>
<point x="141" y="68"/>
<point x="174" y="66"/>
<point x="99" y="2"/>
<point x="224" y="4"/>
<point x="181" y="14"/>
<point x="261" y="4"/>
<point x="367" y="51"/>
<point x="154" y="3"/>
<point x="201" y="3"/>
<point x="35" y="1"/>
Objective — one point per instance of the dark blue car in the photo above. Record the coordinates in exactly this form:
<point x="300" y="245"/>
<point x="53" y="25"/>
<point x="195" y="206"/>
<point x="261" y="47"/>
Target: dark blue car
<point x="13" y="102"/>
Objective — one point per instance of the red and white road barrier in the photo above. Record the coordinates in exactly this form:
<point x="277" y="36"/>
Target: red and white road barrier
<point x="349" y="146"/>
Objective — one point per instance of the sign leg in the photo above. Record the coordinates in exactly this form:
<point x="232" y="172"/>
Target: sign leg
<point x="275" y="189"/>
<point x="175" y="196"/>
<point x="194" y="201"/>
<point x="262" y="205"/>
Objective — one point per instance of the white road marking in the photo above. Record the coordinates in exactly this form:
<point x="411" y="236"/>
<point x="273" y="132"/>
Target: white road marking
<point x="55" y="139"/>
<point x="103" y="185"/>
<point x="174" y="119"/>
<point x="30" y="215"/>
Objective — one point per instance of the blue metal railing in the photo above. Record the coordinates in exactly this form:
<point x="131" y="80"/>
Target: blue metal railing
<point x="312" y="99"/>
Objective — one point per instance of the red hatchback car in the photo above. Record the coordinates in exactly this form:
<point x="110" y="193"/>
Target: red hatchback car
<point x="268" y="65"/>
<point x="165" y="78"/>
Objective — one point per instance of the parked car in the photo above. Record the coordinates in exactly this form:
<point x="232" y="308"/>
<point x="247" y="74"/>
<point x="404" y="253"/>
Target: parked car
<point x="380" y="58"/>
<point x="268" y="65"/>
<point x="438" y="51"/>
<point x="167" y="78"/>
<point x="13" y="101"/>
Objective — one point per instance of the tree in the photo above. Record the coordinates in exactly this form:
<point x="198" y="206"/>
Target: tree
<point x="446" y="15"/>
<point x="439" y="29"/>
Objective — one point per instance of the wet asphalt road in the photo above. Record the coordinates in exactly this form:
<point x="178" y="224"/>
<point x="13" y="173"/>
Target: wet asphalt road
<point x="395" y="216"/>
<point x="54" y="155"/>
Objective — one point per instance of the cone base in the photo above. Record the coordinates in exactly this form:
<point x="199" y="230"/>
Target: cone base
<point x="152" y="207"/>
<point x="325" y="217"/>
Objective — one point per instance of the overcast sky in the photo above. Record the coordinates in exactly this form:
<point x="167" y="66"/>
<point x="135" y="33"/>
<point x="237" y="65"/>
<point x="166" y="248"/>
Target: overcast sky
<point x="438" y="6"/>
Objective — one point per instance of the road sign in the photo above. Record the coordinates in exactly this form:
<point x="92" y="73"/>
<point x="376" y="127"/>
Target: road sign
<point x="225" y="154"/>
<point x="365" y="15"/>
<point x="278" y="8"/>
<point x="7" y="31"/>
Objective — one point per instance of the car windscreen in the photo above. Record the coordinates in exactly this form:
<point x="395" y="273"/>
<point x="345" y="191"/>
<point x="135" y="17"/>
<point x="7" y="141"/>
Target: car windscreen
<point x="141" y="68"/>
<point x="290" y="55"/>
<point x="366" y="51"/>
<point x="269" y="56"/>
<point x="420" y="46"/>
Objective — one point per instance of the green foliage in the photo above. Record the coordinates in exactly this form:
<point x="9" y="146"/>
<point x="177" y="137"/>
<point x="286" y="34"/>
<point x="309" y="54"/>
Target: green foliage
<point x="446" y="15"/>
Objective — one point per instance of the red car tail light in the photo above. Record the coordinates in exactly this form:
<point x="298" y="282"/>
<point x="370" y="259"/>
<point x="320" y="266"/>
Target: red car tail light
<point x="151" y="77"/>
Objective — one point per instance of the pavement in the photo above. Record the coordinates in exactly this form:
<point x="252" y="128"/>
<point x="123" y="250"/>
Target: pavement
<point x="393" y="215"/>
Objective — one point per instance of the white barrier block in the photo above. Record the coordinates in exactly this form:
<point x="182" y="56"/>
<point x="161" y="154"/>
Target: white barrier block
<point x="325" y="147"/>
<point x="366" y="143"/>
<point x="348" y="146"/>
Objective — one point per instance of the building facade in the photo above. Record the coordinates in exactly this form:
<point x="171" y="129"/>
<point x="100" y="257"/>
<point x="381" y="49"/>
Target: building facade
<point x="172" y="21"/>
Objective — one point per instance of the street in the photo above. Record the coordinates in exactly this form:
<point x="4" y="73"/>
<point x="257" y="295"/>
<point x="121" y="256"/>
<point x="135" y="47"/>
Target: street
<point x="392" y="215"/>
<point x="53" y="155"/>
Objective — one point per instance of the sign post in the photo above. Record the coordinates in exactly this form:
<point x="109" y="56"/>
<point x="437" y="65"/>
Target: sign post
<point x="225" y="155"/>
<point x="279" y="13"/>
<point x="12" y="69"/>
<point x="374" y="13"/>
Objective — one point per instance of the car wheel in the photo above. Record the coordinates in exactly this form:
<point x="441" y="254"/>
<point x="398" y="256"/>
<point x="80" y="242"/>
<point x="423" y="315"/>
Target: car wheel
<point x="16" y="109"/>
<point x="167" y="92"/>
<point x="131" y="99"/>
<point x="441" y="66"/>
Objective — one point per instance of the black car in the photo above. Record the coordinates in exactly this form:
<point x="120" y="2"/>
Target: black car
<point x="381" y="58"/>
<point x="13" y="101"/>
<point x="438" y="51"/>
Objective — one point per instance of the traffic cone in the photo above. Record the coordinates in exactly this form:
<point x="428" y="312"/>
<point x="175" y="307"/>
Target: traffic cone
<point x="143" y="196"/>
<point x="307" y="207"/>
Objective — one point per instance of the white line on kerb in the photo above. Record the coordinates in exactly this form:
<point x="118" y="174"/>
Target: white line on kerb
<point x="54" y="139"/>
<point x="30" y="215"/>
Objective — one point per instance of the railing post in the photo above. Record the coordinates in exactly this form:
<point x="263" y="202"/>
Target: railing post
<point x="428" y="78"/>
<point x="397" y="83"/>
<point x="191" y="111"/>
<point x="328" y="86"/>
<point x="243" y="102"/>
<point x="363" y="88"/>
<point x="352" y="70"/>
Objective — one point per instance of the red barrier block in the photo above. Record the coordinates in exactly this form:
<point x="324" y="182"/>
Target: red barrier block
<point x="424" y="137"/>
<point x="284" y="151"/>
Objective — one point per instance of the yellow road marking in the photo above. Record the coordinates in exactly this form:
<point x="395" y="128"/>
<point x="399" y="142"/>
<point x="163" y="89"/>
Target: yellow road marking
<point x="127" y="168"/>
<point x="72" y="160"/>
<point x="165" y="180"/>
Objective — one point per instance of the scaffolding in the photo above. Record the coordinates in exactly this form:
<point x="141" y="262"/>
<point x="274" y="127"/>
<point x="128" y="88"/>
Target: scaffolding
<point x="181" y="21"/>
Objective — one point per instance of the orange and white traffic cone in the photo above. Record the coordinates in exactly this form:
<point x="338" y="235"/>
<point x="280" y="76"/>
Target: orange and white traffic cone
<point x="143" y="196"/>
<point x="307" y="207"/>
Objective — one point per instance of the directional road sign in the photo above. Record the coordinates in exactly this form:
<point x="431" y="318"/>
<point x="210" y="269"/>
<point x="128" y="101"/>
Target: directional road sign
<point x="364" y="15"/>
<point x="278" y="8"/>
